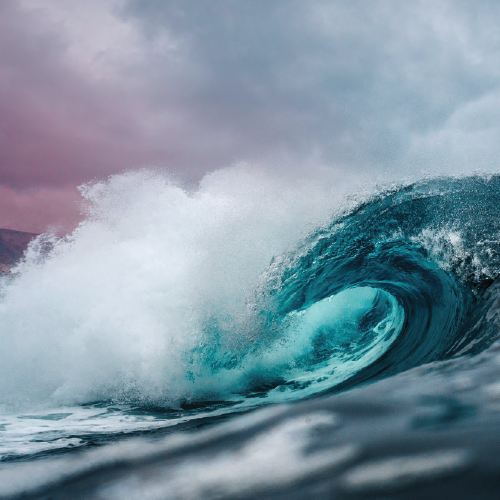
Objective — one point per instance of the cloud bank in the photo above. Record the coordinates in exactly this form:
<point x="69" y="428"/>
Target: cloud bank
<point x="383" y="88"/>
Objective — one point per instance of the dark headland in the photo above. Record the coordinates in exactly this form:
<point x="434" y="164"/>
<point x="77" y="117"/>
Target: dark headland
<point x="12" y="247"/>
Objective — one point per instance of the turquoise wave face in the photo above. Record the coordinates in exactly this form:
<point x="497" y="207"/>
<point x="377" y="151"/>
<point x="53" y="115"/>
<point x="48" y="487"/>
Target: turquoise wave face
<point x="333" y="339"/>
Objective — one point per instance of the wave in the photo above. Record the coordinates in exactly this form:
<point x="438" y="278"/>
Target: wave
<point x="430" y="249"/>
<point x="167" y="298"/>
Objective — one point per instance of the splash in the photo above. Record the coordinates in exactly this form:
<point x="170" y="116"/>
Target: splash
<point x="165" y="306"/>
<point x="125" y="308"/>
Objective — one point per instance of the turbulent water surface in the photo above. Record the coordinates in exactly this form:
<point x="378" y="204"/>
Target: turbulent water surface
<point x="160" y="314"/>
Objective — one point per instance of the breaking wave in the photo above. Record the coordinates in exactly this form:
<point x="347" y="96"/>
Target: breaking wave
<point x="167" y="298"/>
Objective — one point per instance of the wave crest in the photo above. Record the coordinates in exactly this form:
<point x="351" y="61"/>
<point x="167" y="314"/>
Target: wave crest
<point x="163" y="297"/>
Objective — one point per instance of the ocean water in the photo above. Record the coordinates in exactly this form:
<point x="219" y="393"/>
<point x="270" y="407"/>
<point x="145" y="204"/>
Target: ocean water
<point x="254" y="340"/>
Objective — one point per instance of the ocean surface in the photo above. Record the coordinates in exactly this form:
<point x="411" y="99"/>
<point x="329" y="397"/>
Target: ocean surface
<point x="240" y="342"/>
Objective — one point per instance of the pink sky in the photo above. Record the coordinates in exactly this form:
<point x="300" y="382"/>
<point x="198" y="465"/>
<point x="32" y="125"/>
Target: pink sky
<point x="72" y="110"/>
<point x="88" y="89"/>
<point x="36" y="211"/>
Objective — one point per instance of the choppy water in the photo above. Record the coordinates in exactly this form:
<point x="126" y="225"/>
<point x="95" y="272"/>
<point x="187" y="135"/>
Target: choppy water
<point x="167" y="312"/>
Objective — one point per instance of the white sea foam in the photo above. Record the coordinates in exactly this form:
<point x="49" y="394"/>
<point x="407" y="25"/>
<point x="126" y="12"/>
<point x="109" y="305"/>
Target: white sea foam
<point x="113" y="310"/>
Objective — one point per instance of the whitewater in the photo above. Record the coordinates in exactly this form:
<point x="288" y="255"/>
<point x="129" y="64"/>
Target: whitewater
<point x="358" y="336"/>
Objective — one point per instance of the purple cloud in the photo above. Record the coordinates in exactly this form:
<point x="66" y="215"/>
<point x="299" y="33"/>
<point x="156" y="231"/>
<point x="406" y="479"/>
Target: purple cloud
<point x="88" y="89"/>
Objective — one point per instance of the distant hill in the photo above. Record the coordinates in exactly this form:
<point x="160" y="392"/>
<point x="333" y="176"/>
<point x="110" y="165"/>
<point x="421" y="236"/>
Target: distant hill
<point x="12" y="246"/>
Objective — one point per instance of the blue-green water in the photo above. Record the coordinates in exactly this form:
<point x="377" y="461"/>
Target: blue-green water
<point x="401" y="280"/>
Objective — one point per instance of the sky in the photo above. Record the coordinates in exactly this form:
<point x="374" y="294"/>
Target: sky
<point x="385" y="88"/>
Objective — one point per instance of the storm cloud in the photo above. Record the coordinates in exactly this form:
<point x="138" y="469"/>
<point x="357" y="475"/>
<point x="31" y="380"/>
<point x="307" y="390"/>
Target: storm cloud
<point x="91" y="88"/>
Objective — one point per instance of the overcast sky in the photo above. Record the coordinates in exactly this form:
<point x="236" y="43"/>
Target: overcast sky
<point x="91" y="88"/>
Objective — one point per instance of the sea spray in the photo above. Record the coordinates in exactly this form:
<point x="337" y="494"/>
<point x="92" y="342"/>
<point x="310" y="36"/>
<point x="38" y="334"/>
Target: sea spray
<point x="117" y="309"/>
